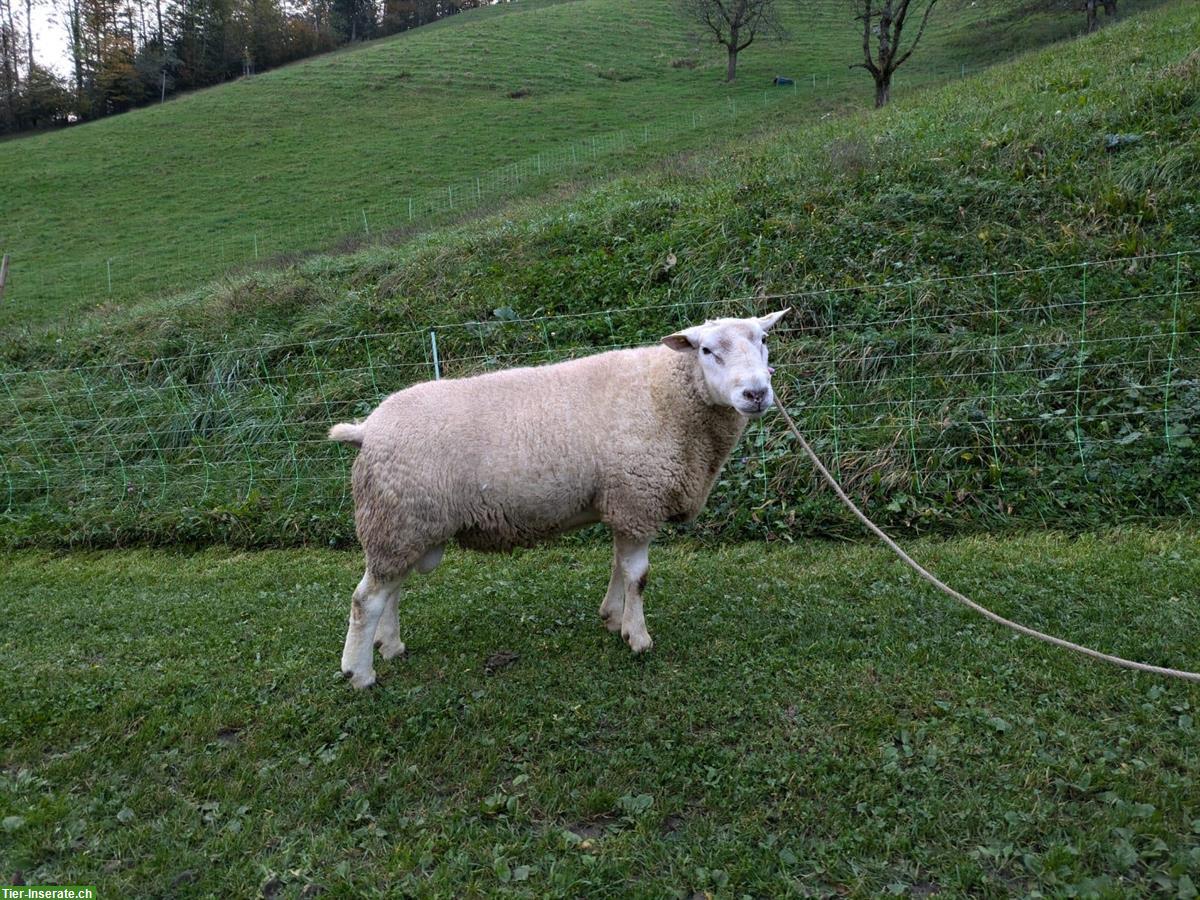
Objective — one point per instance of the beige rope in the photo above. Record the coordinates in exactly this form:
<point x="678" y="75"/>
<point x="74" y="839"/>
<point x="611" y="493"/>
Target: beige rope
<point x="961" y="598"/>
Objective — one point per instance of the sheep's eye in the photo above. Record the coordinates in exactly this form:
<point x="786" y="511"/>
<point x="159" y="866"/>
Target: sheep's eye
<point x="706" y="351"/>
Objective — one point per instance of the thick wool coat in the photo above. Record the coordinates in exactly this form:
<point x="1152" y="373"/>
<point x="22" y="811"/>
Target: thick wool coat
<point x="512" y="458"/>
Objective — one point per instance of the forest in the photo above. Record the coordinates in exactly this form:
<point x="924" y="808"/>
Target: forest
<point x="127" y="53"/>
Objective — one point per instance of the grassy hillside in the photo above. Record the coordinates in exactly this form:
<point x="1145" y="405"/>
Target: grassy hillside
<point x="1067" y="393"/>
<point x="394" y="135"/>
<point x="828" y="727"/>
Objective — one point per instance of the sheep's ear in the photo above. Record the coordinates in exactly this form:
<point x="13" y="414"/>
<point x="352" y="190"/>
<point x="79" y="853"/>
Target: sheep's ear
<point x="688" y="339"/>
<point x="766" y="323"/>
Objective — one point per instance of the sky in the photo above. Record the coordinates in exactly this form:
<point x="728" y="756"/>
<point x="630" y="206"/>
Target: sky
<point x="50" y="47"/>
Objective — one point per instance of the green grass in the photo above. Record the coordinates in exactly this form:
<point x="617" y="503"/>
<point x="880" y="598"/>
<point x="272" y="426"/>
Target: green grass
<point x="334" y="147"/>
<point x="1065" y="394"/>
<point x="812" y="720"/>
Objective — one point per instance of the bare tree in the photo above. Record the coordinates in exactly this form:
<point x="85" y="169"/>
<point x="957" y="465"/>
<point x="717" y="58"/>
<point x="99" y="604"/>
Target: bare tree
<point x="734" y="24"/>
<point x="1092" y="8"/>
<point x="29" y="33"/>
<point x="885" y="20"/>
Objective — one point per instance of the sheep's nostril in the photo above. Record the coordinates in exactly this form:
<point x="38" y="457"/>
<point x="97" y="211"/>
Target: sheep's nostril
<point x="757" y="396"/>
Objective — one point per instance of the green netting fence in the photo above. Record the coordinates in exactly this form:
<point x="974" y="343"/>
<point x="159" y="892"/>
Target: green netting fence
<point x="1065" y="396"/>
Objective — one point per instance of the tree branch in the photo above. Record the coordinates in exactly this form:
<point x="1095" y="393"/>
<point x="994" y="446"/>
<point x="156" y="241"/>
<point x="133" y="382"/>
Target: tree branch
<point x="920" y="32"/>
<point x="866" y="44"/>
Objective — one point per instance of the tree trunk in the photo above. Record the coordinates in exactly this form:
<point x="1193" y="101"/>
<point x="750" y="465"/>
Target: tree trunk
<point x="731" y="62"/>
<point x="15" y="50"/>
<point x="29" y="33"/>
<point x="1110" y="7"/>
<point x="76" y="48"/>
<point x="883" y="90"/>
<point x="1092" y="21"/>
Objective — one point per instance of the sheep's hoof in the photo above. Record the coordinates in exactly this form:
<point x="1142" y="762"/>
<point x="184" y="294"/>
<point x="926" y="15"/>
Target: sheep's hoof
<point x="390" y="651"/>
<point x="638" y="643"/>
<point x="612" y="621"/>
<point x="359" y="682"/>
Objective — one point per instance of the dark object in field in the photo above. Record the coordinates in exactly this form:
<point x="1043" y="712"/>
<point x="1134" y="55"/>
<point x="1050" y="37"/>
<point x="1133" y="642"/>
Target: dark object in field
<point x="518" y="93"/>
<point x="781" y="80"/>
<point x="1114" y="142"/>
<point x="501" y="659"/>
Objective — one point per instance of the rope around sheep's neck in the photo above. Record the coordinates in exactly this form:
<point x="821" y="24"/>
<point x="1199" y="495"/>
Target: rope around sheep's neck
<point x="961" y="598"/>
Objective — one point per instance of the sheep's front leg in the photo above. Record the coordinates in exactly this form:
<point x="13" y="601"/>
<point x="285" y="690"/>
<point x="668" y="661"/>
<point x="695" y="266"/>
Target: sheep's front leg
<point x="370" y="599"/>
<point x="613" y="606"/>
<point x="633" y="557"/>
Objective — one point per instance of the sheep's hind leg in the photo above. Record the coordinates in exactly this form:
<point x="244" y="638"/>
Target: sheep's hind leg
<point x="613" y="606"/>
<point x="633" y="558"/>
<point x="371" y="598"/>
<point x="387" y="636"/>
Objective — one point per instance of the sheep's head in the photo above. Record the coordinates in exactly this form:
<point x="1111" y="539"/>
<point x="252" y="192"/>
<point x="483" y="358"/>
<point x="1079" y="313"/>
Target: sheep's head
<point x="732" y="355"/>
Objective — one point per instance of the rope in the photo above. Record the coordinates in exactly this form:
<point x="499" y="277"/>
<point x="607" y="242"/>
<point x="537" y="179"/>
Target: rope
<point x="962" y="598"/>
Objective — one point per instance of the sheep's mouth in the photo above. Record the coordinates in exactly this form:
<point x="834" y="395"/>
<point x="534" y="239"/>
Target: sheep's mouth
<point x="755" y="410"/>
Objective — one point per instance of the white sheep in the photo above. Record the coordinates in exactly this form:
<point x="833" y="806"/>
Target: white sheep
<point x="630" y="438"/>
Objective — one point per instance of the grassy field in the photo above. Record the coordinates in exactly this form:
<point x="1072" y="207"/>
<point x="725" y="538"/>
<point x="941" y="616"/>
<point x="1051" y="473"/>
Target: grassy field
<point x="812" y="721"/>
<point x="1064" y="394"/>
<point x="337" y="146"/>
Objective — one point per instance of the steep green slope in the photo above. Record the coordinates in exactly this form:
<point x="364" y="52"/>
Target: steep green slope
<point x="1066" y="392"/>
<point x="412" y="129"/>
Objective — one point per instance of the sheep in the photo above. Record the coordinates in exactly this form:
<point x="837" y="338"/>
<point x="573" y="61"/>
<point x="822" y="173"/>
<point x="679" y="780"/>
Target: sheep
<point x="630" y="438"/>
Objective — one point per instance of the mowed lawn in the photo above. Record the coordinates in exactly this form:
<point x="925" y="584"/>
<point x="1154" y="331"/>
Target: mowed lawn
<point x="812" y="720"/>
<point x="336" y="146"/>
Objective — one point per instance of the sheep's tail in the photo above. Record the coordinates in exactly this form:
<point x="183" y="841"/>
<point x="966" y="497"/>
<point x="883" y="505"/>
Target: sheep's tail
<point x="347" y="433"/>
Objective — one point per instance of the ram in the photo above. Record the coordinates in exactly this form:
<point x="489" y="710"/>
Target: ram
<point x="631" y="438"/>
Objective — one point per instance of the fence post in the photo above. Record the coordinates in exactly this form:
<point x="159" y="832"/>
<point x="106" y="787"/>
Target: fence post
<point x="3" y="274"/>
<point x="1170" y="354"/>
<point x="437" y="366"/>
<point x="366" y="227"/>
<point x="1081" y="356"/>
<point x="108" y="263"/>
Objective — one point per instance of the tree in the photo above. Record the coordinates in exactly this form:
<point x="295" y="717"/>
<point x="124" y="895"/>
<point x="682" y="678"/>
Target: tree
<point x="885" y="20"/>
<point x="29" y="33"/>
<point x="47" y="100"/>
<point x="734" y="24"/>
<point x="10" y="68"/>
<point x="1092" y="8"/>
